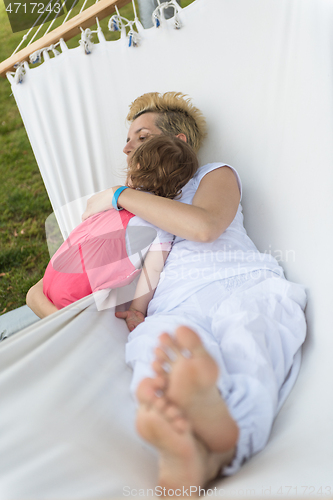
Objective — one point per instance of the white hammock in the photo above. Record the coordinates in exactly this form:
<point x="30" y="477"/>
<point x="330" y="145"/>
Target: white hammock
<point x="261" y="72"/>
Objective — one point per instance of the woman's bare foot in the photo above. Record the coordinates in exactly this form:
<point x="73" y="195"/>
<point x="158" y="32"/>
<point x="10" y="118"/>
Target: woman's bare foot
<point x="187" y="375"/>
<point x="184" y="462"/>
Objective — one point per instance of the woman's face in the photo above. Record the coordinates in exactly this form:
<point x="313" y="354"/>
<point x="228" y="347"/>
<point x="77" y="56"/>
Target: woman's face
<point x="141" y="129"/>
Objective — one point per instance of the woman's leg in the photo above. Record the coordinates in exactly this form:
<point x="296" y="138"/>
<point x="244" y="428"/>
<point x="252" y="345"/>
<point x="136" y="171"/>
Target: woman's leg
<point x="183" y="438"/>
<point x="259" y="328"/>
<point x="187" y="375"/>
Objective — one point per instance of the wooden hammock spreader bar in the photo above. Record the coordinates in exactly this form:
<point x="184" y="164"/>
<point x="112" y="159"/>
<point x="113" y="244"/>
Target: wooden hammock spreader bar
<point x="71" y="28"/>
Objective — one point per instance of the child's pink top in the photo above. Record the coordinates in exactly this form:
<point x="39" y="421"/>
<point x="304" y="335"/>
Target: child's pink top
<point x="93" y="257"/>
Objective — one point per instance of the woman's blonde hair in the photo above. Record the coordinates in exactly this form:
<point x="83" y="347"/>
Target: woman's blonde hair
<point x="176" y="115"/>
<point x="162" y="165"/>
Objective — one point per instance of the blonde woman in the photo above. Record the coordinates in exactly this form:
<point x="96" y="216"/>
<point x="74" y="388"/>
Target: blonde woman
<point x="213" y="360"/>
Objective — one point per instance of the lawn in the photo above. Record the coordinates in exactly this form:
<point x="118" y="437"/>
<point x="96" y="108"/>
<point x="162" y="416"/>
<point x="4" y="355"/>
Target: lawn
<point x="24" y="204"/>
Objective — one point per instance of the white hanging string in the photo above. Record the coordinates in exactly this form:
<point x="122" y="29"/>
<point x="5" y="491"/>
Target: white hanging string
<point x="41" y="26"/>
<point x="100" y="33"/>
<point x="86" y="35"/>
<point x="158" y="14"/>
<point x="36" y="57"/>
<point x="25" y="37"/>
<point x="19" y="73"/>
<point x="86" y="42"/>
<point x="119" y="23"/>
<point x="82" y="8"/>
<point x="136" y="17"/>
<point x="127" y="28"/>
<point x="68" y="13"/>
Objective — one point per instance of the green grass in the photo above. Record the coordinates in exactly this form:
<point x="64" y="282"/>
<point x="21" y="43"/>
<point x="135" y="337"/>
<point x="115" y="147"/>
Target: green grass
<point x="24" y="204"/>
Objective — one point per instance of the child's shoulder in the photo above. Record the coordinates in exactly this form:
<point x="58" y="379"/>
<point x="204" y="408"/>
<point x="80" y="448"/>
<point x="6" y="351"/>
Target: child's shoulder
<point x="149" y="229"/>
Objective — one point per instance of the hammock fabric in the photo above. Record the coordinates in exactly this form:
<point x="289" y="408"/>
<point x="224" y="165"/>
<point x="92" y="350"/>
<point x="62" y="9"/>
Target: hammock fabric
<point x="261" y="72"/>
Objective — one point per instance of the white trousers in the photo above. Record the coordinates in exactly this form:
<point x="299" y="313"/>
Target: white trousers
<point x="253" y="325"/>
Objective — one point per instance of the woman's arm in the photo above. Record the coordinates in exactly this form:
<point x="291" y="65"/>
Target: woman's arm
<point x="213" y="208"/>
<point x="145" y="289"/>
<point x="37" y="301"/>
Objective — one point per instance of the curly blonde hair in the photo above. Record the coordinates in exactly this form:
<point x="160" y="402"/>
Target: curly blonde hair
<point x="176" y="115"/>
<point x="162" y="165"/>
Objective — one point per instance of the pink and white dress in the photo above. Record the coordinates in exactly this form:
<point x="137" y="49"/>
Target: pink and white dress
<point x="98" y="255"/>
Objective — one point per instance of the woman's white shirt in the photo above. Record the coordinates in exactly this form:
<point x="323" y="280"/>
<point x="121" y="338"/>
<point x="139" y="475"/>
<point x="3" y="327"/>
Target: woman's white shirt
<point x="193" y="265"/>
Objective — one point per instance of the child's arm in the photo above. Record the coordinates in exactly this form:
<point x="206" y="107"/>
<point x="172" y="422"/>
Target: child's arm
<point x="37" y="301"/>
<point x="145" y="289"/>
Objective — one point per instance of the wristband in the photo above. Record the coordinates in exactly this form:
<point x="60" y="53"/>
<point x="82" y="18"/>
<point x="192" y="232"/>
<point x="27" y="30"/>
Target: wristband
<point x="116" y="196"/>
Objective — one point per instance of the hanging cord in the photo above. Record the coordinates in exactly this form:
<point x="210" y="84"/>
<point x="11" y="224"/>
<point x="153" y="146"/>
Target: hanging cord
<point x="119" y="23"/>
<point x="116" y="23"/>
<point x="133" y="37"/>
<point x="18" y="74"/>
<point x="158" y="13"/>
<point x="41" y="26"/>
<point x="86" y="35"/>
<point x="137" y="22"/>
<point x="86" y="42"/>
<point x="36" y="57"/>
<point x="57" y="14"/>
<point x="82" y="8"/>
<point x="25" y="37"/>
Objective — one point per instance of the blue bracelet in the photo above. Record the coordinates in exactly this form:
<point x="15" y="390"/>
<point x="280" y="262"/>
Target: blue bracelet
<point x="116" y="196"/>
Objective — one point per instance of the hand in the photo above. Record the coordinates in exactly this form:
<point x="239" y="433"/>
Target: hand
<point x="99" y="202"/>
<point x="132" y="317"/>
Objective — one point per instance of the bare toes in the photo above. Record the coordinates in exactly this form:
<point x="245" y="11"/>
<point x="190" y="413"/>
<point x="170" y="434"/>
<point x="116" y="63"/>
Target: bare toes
<point x="188" y="340"/>
<point x="175" y="417"/>
<point x="168" y="344"/>
<point x="165" y="355"/>
<point x="160" y="404"/>
<point x="161" y="355"/>
<point x="181" y="425"/>
<point x="148" y="389"/>
<point x="172" y="412"/>
<point x="160" y="369"/>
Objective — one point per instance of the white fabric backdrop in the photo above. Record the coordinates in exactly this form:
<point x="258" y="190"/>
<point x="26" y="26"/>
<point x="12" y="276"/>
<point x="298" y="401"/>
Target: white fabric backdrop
<point x="261" y="71"/>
